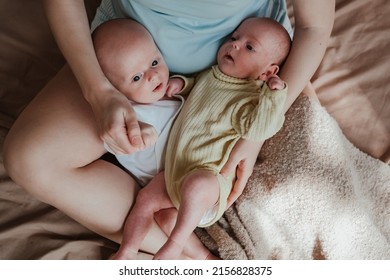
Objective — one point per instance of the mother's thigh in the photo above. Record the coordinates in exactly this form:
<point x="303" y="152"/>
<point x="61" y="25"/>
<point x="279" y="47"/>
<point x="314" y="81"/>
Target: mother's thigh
<point x="52" y="151"/>
<point x="56" y="130"/>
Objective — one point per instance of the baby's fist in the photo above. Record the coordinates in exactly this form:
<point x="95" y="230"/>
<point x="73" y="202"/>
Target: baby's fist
<point x="175" y="85"/>
<point x="275" y="83"/>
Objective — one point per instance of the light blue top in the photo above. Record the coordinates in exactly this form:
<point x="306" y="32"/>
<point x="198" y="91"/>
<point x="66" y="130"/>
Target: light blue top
<point x="189" y="32"/>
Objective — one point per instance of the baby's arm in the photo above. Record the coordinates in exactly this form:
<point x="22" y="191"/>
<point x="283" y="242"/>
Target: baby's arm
<point x="175" y="85"/>
<point x="179" y="85"/>
<point x="260" y="115"/>
<point x="274" y="83"/>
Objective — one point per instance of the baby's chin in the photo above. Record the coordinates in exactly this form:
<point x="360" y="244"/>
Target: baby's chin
<point x="228" y="70"/>
<point x="149" y="98"/>
<point x="158" y="93"/>
<point x="156" y="97"/>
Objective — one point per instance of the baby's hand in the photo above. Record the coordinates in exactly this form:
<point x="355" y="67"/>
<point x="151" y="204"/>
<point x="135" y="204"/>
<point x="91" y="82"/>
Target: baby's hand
<point x="275" y="82"/>
<point x="148" y="134"/>
<point x="175" y="85"/>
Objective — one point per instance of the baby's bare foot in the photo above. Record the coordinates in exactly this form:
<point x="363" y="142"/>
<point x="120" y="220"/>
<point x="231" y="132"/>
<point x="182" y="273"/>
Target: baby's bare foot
<point x="211" y="256"/>
<point x="124" y="255"/>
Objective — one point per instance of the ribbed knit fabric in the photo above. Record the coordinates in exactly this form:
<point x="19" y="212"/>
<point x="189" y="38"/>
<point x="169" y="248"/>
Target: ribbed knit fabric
<point x="218" y="112"/>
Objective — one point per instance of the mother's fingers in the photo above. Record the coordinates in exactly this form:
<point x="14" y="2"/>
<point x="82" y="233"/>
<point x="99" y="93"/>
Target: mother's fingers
<point x="241" y="162"/>
<point x="243" y="173"/>
<point x="123" y="136"/>
<point x="149" y="134"/>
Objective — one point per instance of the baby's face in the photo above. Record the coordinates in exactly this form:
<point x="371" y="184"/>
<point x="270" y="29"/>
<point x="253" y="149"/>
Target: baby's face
<point x="246" y="54"/>
<point x="141" y="74"/>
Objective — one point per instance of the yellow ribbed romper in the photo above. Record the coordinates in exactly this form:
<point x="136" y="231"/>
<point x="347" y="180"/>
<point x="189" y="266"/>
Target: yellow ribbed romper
<point x="218" y="112"/>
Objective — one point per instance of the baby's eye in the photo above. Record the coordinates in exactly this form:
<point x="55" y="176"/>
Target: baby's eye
<point x="249" y="47"/>
<point x="137" y="77"/>
<point x="154" y="63"/>
<point x="233" y="38"/>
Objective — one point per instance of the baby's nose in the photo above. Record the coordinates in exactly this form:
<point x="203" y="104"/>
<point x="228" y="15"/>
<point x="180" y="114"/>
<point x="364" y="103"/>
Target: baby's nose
<point x="153" y="75"/>
<point x="236" y="45"/>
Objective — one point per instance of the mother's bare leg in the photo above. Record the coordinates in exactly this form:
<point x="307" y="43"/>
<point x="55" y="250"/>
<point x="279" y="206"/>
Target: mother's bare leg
<point x="53" y="152"/>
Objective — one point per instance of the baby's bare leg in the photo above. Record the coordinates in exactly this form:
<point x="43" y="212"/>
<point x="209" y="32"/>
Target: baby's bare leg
<point x="194" y="248"/>
<point x="150" y="200"/>
<point x="199" y="192"/>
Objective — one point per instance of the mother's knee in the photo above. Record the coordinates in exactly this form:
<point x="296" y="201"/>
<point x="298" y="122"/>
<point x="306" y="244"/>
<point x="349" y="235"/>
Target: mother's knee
<point x="24" y="163"/>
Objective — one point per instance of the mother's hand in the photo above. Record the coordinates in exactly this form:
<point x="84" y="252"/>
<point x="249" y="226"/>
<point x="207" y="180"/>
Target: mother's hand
<point x="241" y="161"/>
<point x="117" y="123"/>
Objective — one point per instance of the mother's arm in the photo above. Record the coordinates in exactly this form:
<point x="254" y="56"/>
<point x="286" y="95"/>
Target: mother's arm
<point x="313" y="25"/>
<point x="115" y="117"/>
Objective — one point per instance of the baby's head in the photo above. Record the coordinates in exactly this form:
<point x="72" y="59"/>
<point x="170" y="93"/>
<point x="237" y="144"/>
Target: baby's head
<point x="131" y="60"/>
<point x="255" y="50"/>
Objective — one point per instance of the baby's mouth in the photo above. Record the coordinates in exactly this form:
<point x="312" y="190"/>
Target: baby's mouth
<point x="229" y="57"/>
<point x="158" y="87"/>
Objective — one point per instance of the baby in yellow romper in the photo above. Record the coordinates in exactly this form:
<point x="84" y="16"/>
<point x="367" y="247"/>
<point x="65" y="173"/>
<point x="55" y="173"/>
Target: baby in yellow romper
<point x="241" y="97"/>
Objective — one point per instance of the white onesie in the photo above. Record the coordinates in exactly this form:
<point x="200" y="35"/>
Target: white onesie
<point x="145" y="164"/>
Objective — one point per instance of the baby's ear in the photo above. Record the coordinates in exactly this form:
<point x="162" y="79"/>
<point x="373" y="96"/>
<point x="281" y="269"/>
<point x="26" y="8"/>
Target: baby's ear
<point x="272" y="70"/>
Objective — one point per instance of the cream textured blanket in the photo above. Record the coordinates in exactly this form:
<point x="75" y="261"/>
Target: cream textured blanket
<point x="312" y="195"/>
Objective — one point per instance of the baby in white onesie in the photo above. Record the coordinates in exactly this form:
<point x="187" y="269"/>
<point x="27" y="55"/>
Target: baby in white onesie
<point x="135" y="66"/>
